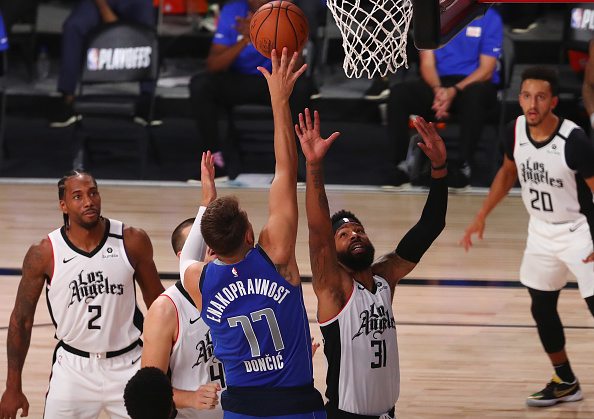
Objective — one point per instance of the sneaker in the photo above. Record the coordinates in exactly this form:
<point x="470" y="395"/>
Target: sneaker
<point x="399" y="181"/>
<point x="143" y="121"/>
<point x="523" y="26"/>
<point x="64" y="117"/>
<point x="555" y="392"/>
<point x="459" y="178"/>
<point x="379" y="90"/>
<point x="143" y="111"/>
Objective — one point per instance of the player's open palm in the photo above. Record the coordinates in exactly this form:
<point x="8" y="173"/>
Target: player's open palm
<point x="476" y="227"/>
<point x="11" y="402"/>
<point x="432" y="145"/>
<point x="207" y="178"/>
<point x="313" y="145"/>
<point x="284" y="75"/>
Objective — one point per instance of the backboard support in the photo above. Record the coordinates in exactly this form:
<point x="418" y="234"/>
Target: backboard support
<point x="436" y="22"/>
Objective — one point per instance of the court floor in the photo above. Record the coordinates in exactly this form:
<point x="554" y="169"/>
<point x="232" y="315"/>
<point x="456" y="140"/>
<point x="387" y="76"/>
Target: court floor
<point x="468" y="346"/>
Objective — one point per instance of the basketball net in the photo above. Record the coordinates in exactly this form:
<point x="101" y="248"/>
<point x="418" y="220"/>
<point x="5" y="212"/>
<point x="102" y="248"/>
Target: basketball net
<point x="373" y="37"/>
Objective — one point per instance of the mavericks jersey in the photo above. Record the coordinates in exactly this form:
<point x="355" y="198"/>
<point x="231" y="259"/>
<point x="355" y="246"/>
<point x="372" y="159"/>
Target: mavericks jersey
<point x="361" y="350"/>
<point x="91" y="296"/>
<point x="258" y="323"/>
<point x="552" y="173"/>
<point x="192" y="361"/>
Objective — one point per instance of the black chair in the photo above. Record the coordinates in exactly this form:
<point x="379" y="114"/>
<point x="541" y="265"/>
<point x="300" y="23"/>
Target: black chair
<point x="119" y="55"/>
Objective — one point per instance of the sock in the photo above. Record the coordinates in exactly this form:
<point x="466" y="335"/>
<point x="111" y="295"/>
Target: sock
<point x="564" y="372"/>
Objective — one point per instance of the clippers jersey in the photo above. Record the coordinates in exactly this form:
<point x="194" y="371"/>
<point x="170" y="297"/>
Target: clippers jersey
<point x="361" y="350"/>
<point x="552" y="173"/>
<point x="258" y="323"/>
<point x="192" y="361"/>
<point x="91" y="297"/>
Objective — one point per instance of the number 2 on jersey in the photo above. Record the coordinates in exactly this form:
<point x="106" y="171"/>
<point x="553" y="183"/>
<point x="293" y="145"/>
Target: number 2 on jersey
<point x="98" y="310"/>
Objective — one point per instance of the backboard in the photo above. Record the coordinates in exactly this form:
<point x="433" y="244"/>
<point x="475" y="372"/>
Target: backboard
<point x="436" y="22"/>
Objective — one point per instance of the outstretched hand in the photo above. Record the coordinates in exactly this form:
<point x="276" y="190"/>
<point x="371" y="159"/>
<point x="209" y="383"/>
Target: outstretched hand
<point x="476" y="227"/>
<point x="432" y="144"/>
<point x="313" y="145"/>
<point x="207" y="179"/>
<point x="284" y="75"/>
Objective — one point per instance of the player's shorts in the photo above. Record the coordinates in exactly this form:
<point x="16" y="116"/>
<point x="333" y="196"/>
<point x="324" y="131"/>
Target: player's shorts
<point x="81" y="387"/>
<point x="554" y="250"/>
<point x="314" y="415"/>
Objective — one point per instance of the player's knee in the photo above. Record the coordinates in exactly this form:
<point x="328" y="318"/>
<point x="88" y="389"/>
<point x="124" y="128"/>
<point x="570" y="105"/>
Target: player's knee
<point x="544" y="304"/>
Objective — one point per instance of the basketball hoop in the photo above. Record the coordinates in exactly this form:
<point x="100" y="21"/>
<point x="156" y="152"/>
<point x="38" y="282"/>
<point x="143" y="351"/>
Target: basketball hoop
<point x="373" y="36"/>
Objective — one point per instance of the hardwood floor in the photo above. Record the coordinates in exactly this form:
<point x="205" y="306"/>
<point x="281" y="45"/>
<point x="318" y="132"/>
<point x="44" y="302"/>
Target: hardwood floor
<point x="467" y="342"/>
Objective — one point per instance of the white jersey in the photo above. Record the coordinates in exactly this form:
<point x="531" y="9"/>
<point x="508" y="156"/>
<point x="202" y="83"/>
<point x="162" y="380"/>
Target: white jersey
<point x="361" y="351"/>
<point x="552" y="173"/>
<point x="192" y="361"/>
<point x="91" y="296"/>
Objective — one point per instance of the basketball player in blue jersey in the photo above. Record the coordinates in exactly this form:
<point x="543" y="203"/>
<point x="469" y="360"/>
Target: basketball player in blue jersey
<point x="177" y="340"/>
<point x="355" y="293"/>
<point x="88" y="268"/>
<point x="251" y="295"/>
<point x="553" y="159"/>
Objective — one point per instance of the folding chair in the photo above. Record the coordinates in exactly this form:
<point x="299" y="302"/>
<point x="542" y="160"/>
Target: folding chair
<point x="119" y="55"/>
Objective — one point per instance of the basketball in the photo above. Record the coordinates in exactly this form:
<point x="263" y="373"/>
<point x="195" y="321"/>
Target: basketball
<point x="276" y="25"/>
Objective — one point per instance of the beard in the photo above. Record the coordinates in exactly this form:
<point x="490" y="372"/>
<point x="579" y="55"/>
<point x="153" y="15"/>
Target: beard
<point x="358" y="262"/>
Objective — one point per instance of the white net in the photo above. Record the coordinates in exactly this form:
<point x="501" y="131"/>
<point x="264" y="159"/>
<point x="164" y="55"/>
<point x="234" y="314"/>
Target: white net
<point x="374" y="34"/>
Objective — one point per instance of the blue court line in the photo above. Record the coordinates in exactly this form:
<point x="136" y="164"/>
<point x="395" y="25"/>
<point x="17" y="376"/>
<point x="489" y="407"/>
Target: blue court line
<point x="405" y="281"/>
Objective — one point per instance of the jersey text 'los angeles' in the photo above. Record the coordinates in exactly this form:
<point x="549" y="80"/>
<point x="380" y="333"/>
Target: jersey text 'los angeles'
<point x="91" y="296"/>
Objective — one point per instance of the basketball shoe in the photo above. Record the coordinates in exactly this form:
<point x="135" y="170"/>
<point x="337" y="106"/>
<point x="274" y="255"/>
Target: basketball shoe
<point x="556" y="391"/>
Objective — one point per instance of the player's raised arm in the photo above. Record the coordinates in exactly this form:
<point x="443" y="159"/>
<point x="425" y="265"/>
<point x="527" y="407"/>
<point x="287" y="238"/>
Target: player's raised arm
<point x="279" y="234"/>
<point x="191" y="260"/>
<point x="398" y="263"/>
<point x="327" y="279"/>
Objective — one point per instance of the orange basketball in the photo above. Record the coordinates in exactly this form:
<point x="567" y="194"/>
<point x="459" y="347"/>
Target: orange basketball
<point x="276" y="25"/>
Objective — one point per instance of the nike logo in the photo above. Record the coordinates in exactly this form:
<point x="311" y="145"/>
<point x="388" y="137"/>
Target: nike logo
<point x="575" y="227"/>
<point x="136" y="360"/>
<point x="68" y="260"/>
<point x="194" y="321"/>
<point x="562" y="393"/>
<point x="523" y="144"/>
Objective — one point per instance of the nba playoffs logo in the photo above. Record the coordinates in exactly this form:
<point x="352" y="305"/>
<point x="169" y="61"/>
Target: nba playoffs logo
<point x="93" y="59"/>
<point x="582" y="19"/>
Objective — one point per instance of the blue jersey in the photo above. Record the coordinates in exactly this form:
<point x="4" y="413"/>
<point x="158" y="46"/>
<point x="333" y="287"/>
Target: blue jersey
<point x="258" y="323"/>
<point x="260" y="333"/>
<point x="249" y="58"/>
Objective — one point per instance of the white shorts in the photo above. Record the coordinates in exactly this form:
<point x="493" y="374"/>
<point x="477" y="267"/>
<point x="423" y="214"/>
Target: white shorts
<point x="554" y="250"/>
<point x="82" y="387"/>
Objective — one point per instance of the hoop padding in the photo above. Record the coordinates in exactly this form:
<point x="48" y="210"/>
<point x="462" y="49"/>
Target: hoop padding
<point x="373" y="37"/>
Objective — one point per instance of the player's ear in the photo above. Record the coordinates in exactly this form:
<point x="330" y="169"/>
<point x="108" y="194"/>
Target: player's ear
<point x="63" y="206"/>
<point x="554" y="102"/>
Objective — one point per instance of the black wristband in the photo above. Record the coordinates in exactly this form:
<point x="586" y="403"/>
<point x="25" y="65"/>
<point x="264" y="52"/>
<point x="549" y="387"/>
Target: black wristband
<point x="443" y="166"/>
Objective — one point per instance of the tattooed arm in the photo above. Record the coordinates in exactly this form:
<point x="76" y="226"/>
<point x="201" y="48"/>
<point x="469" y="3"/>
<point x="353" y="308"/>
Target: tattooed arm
<point x="331" y="284"/>
<point x="37" y="267"/>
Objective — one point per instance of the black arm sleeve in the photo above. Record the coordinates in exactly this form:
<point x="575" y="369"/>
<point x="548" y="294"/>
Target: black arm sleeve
<point x="432" y="222"/>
